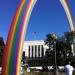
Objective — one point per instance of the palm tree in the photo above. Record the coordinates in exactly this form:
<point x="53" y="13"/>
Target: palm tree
<point x="50" y="38"/>
<point x="50" y="41"/>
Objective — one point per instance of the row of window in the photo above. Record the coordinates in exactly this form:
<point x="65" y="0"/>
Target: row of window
<point x="36" y="51"/>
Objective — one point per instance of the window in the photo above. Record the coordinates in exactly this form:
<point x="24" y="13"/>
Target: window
<point x="29" y="52"/>
<point x="42" y="50"/>
<point x="32" y="51"/>
<point x="35" y="50"/>
<point x="38" y="50"/>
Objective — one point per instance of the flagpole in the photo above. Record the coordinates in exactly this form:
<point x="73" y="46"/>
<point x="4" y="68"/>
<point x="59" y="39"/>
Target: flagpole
<point x="34" y="33"/>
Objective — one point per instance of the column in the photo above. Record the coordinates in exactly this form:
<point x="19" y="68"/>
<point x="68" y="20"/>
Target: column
<point x="37" y="51"/>
<point x="44" y="51"/>
<point x="34" y="51"/>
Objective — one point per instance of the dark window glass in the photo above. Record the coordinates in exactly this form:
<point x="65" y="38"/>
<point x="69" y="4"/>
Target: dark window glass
<point x="29" y="52"/>
<point x="38" y="50"/>
<point x="35" y="50"/>
<point x="42" y="50"/>
<point x="32" y="51"/>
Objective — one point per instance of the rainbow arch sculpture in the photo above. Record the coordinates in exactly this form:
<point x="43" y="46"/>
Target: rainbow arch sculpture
<point x="68" y="13"/>
<point x="13" y="49"/>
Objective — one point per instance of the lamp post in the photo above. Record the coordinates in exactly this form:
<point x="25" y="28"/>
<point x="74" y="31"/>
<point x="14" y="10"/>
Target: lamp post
<point x="34" y="33"/>
<point x="56" y="70"/>
<point x="54" y="41"/>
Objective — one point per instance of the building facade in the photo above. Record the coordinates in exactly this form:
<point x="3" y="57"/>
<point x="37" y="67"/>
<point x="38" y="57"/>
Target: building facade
<point x="34" y="49"/>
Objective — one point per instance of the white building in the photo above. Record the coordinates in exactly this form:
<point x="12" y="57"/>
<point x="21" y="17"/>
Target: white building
<point x="34" y="48"/>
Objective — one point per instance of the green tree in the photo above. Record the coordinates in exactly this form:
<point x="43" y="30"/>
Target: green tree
<point x="2" y="45"/>
<point x="49" y="41"/>
<point x="62" y="48"/>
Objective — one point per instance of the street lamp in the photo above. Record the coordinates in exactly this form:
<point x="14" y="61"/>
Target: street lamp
<point x="56" y="70"/>
<point x="54" y="41"/>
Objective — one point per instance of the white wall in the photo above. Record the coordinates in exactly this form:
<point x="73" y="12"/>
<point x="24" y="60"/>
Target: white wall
<point x="30" y="43"/>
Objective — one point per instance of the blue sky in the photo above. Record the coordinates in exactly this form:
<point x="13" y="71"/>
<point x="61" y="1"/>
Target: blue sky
<point x="48" y="16"/>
